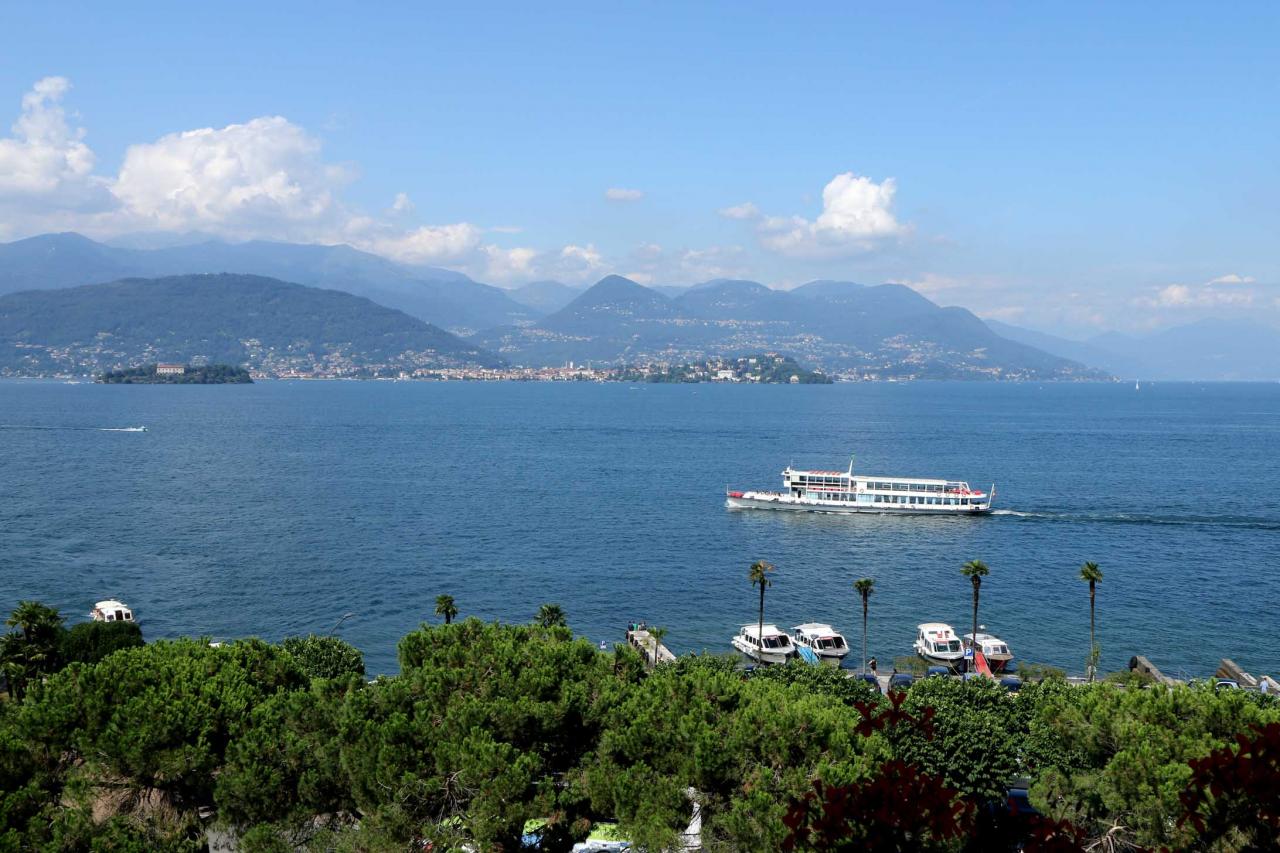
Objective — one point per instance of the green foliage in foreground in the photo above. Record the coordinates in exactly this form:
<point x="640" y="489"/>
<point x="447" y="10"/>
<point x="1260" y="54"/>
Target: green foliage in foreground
<point x="490" y="729"/>
<point x="90" y="642"/>
<point x="324" y="657"/>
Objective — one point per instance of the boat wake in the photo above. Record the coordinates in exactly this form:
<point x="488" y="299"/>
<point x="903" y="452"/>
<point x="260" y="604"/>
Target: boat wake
<point x="1240" y="522"/>
<point x="75" y="428"/>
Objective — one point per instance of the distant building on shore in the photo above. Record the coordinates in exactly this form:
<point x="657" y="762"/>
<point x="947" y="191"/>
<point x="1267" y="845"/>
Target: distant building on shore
<point x="163" y="369"/>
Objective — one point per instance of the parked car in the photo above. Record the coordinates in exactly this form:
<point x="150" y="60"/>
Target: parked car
<point x="869" y="679"/>
<point x="1011" y="683"/>
<point x="901" y="681"/>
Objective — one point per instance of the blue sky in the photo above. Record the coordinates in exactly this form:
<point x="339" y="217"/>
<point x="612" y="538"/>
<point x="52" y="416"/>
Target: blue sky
<point x="1073" y="168"/>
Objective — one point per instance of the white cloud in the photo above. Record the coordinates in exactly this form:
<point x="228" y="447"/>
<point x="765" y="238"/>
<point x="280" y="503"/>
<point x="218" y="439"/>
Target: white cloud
<point x="1184" y="296"/>
<point x="746" y="210"/>
<point x="261" y="178"/>
<point x="264" y="178"/>
<point x="857" y="217"/>
<point x="1232" y="278"/>
<point x="508" y="266"/>
<point x="403" y="205"/>
<point x="650" y="262"/>
<point x="428" y="244"/>
<point x="623" y="194"/>
<point x="45" y="165"/>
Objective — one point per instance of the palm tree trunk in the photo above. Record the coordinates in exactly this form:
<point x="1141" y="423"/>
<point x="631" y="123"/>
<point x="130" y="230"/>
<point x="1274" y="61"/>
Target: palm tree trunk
<point x="760" y="629"/>
<point x="1093" y="644"/>
<point x="974" y="636"/>
<point x="864" y="635"/>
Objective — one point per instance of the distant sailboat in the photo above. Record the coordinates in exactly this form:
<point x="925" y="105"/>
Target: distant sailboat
<point x="1137" y="386"/>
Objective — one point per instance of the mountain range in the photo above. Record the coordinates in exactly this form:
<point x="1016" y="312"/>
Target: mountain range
<point x="843" y="327"/>
<point x="240" y="319"/>
<point x="883" y="331"/>
<point x="445" y="298"/>
<point x="1207" y="350"/>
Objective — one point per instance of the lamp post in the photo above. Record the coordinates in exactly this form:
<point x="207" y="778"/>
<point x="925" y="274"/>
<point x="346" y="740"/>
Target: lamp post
<point x="338" y="624"/>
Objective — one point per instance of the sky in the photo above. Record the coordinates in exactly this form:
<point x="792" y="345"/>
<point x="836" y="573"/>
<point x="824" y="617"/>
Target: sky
<point x="1072" y="168"/>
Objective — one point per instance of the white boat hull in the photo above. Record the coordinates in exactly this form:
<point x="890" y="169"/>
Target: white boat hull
<point x="787" y="503"/>
<point x="762" y="656"/>
<point x="950" y="660"/>
<point x="831" y="658"/>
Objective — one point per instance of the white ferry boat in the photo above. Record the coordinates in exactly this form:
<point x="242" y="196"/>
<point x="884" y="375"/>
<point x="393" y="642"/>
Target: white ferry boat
<point x="995" y="650"/>
<point x="937" y="643"/>
<point x="111" y="611"/>
<point x="827" y="643"/>
<point x="844" y="491"/>
<point x="771" y="647"/>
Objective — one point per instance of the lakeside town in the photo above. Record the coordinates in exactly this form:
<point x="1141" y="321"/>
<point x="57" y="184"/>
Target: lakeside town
<point x="765" y="368"/>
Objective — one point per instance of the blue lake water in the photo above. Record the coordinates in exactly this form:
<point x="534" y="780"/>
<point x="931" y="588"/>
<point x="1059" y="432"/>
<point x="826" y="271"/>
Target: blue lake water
<point x="273" y="509"/>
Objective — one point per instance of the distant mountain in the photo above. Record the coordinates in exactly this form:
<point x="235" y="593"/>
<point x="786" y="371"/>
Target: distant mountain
<point x="545" y="297"/>
<point x="240" y="319"/>
<point x="1212" y="350"/>
<point x="1097" y="353"/>
<point x="1207" y="350"/>
<point x="842" y="327"/>
<point x="609" y="305"/>
<point x="443" y="297"/>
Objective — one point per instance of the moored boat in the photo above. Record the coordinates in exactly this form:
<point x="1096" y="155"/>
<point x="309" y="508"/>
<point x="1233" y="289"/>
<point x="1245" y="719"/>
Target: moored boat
<point x="824" y="641"/>
<point x="111" y="610"/>
<point x="771" y="646"/>
<point x="937" y="643"/>
<point x="846" y="492"/>
<point x="994" y="649"/>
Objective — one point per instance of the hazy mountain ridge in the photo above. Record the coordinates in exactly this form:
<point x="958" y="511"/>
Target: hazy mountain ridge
<point x="545" y="297"/>
<point x="1206" y="350"/>
<point x="445" y="298"/>
<point x="241" y="319"/>
<point x="884" y="330"/>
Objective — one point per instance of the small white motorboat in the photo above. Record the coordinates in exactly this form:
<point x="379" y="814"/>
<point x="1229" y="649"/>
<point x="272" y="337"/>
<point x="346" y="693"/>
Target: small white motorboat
<point x="771" y="646"/>
<point x="825" y="642"/>
<point x="111" y="611"/>
<point x="937" y="643"/>
<point x="994" y="649"/>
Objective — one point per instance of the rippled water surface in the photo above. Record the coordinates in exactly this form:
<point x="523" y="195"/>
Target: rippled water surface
<point x="275" y="508"/>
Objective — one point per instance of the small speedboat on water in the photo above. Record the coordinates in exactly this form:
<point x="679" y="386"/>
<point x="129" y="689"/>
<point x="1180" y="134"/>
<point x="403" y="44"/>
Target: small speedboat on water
<point x="111" y="611"/>
<point x="937" y="643"/>
<point x="769" y="646"/>
<point x="824" y="641"/>
<point x="994" y="649"/>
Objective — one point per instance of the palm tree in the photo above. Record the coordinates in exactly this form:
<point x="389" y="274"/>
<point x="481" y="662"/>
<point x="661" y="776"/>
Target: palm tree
<point x="658" y="634"/>
<point x="552" y="616"/>
<point x="759" y="575"/>
<point x="864" y="586"/>
<point x="38" y="622"/>
<point x="975" y="571"/>
<point x="446" y="608"/>
<point x="1091" y="573"/>
<point x="32" y="650"/>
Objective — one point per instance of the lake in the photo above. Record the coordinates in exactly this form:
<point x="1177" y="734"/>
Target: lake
<point x="276" y="508"/>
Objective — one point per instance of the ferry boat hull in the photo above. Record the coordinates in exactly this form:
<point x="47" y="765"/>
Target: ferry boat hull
<point x="778" y="501"/>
